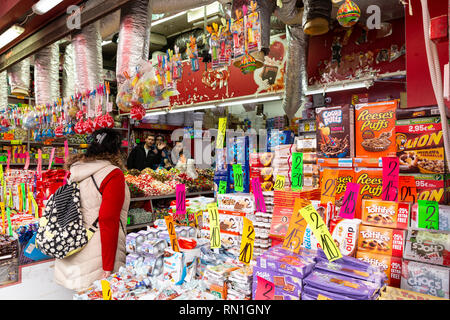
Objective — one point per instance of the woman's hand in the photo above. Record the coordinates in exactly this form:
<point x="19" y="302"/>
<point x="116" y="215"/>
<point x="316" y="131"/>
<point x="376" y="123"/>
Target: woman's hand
<point x="106" y="274"/>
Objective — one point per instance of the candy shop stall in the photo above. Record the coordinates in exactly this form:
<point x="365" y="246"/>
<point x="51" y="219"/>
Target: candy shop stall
<point x="269" y="150"/>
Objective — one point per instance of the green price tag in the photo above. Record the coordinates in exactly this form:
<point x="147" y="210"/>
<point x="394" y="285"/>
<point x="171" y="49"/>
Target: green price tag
<point x="297" y="171"/>
<point x="16" y="142"/>
<point x="222" y="187"/>
<point x="138" y="140"/>
<point x="3" y="158"/>
<point x="428" y="214"/>
<point x="238" y="178"/>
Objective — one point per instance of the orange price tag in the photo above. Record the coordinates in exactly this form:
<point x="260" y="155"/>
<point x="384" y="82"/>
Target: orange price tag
<point x="172" y="234"/>
<point x="297" y="226"/>
<point x="328" y="186"/>
<point x="408" y="190"/>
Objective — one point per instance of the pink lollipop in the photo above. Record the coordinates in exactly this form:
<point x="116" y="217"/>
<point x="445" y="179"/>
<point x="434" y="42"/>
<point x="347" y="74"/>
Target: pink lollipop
<point x="5" y="123"/>
<point x="88" y="126"/>
<point x="137" y="112"/>
<point x="98" y="122"/>
<point x="59" y="131"/>
<point x="79" y="127"/>
<point x="108" y="121"/>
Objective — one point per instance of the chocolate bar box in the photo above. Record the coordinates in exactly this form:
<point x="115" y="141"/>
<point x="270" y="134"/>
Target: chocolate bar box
<point x="335" y="132"/>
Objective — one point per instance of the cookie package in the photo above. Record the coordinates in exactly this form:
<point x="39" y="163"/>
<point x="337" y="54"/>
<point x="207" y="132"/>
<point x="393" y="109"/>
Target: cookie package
<point x="391" y="266"/>
<point x="388" y="214"/>
<point x="335" y="136"/>
<point x="381" y="240"/>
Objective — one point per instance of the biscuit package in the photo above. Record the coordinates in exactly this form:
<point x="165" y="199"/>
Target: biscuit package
<point x="388" y="214"/>
<point x="285" y="283"/>
<point x="345" y="234"/>
<point x="374" y="132"/>
<point x="381" y="240"/>
<point x="425" y="278"/>
<point x="391" y="293"/>
<point x="420" y="145"/>
<point x="391" y="266"/>
<point x="335" y="136"/>
<point x="428" y="246"/>
<point x="242" y="202"/>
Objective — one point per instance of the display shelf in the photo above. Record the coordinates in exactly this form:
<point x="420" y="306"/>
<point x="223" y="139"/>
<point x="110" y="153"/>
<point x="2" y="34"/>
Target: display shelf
<point x="171" y="196"/>
<point x="138" y="226"/>
<point x="155" y="126"/>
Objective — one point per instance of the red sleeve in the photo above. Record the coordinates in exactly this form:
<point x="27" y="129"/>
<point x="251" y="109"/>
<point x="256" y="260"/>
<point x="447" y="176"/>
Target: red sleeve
<point x="113" y="196"/>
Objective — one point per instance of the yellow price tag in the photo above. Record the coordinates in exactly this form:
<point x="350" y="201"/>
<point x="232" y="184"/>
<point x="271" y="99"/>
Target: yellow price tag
<point x="1" y="173"/>
<point x="321" y="232"/>
<point x="172" y="234"/>
<point x="2" y="205"/>
<point x="297" y="226"/>
<point x="198" y="216"/>
<point x="16" y="142"/>
<point x="84" y="145"/>
<point x="106" y="290"/>
<point x="328" y="186"/>
<point x="247" y="242"/>
<point x="214" y="225"/>
<point x="221" y="133"/>
<point x="279" y="183"/>
<point x="45" y="156"/>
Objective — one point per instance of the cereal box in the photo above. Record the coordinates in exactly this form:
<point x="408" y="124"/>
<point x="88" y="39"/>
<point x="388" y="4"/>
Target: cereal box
<point x="371" y="186"/>
<point x="335" y="136"/>
<point x="375" y="130"/>
<point x="430" y="187"/>
<point x="381" y="240"/>
<point x="425" y="278"/>
<point x="388" y="214"/>
<point x="346" y="175"/>
<point x="392" y="266"/>
<point x="420" y="145"/>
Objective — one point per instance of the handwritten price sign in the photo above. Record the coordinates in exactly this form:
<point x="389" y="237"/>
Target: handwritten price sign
<point x="408" y="189"/>
<point x="180" y="199"/>
<point x="297" y="171"/>
<point x="238" y="178"/>
<point x="321" y="233"/>
<point x="222" y="187"/>
<point x="214" y="225"/>
<point x="350" y="200"/>
<point x="265" y="290"/>
<point x="297" y="227"/>
<point x="390" y="178"/>
<point x="279" y="183"/>
<point x="428" y="214"/>
<point x="259" y="198"/>
<point x="172" y="234"/>
<point x="328" y="186"/>
<point x="221" y="133"/>
<point x="247" y="243"/>
<point x="106" y="290"/>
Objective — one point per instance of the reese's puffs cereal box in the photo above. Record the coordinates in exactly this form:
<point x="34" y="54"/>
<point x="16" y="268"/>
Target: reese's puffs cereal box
<point x="375" y="132"/>
<point x="371" y="186"/>
<point x="346" y="175"/>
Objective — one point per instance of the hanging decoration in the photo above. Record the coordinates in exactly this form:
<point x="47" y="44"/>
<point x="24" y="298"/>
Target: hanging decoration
<point x="348" y="14"/>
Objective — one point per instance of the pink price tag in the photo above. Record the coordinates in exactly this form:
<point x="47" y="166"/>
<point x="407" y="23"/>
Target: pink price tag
<point x="8" y="161"/>
<point x="259" y="198"/>
<point x="265" y="290"/>
<point x="27" y="161"/>
<point x="50" y="161"/>
<point x="65" y="177"/>
<point x="390" y="179"/>
<point x="350" y="200"/>
<point x="39" y="166"/>
<point x="66" y="150"/>
<point x="180" y="194"/>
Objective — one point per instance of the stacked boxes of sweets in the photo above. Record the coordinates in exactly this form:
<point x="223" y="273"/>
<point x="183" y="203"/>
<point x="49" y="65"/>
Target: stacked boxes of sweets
<point x="344" y="279"/>
<point x="420" y="149"/>
<point x="391" y="293"/>
<point x="426" y="262"/>
<point x="239" y="284"/>
<point x="194" y="207"/>
<point x="285" y="269"/>
<point x="261" y="168"/>
<point x="237" y="152"/>
<point x="216" y="278"/>
<point x="382" y="236"/>
<point x="307" y="146"/>
<point x="9" y="262"/>
<point x="261" y="223"/>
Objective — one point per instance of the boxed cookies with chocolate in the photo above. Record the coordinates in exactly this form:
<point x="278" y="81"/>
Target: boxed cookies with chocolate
<point x="375" y="131"/>
<point x="236" y="202"/>
<point x="335" y="126"/>
<point x="388" y="214"/>
<point x="375" y="276"/>
<point x="284" y="282"/>
<point x="391" y="266"/>
<point x="381" y="240"/>
<point x="420" y="145"/>
<point x="391" y="293"/>
<point x="425" y="278"/>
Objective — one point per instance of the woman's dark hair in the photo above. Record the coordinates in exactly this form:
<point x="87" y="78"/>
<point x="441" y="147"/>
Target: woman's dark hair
<point x="104" y="144"/>
<point x="159" y="136"/>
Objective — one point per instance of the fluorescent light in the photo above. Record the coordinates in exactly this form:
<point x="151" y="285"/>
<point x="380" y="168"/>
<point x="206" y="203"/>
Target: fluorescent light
<point x="10" y="34"/>
<point x="192" y="108"/>
<point x="44" y="6"/>
<point x="255" y="100"/>
<point x="104" y="43"/>
<point x="156" y="113"/>
<point x="155" y="23"/>
<point x="341" y="87"/>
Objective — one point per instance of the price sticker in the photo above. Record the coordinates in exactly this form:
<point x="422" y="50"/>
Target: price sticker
<point x="265" y="289"/>
<point x="172" y="234"/>
<point x="328" y="186"/>
<point x="106" y="290"/>
<point x="321" y="232"/>
<point x="238" y="178"/>
<point x="8" y="217"/>
<point x="390" y="178"/>
<point x="297" y="171"/>
<point x="297" y="226"/>
<point x="259" y="198"/>
<point x="45" y="156"/>
<point x="27" y="161"/>
<point x="350" y="200"/>
<point x="180" y="197"/>
<point x="16" y="142"/>
<point x="408" y="189"/>
<point x="214" y="225"/>
<point x="279" y="183"/>
<point x="222" y="187"/>
<point x="247" y="242"/>
<point x="3" y="158"/>
<point x="428" y="214"/>
<point x="2" y="206"/>
<point x="221" y="133"/>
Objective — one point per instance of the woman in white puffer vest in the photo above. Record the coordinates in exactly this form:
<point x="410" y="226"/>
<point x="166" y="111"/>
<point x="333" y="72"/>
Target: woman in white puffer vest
<point x="104" y="195"/>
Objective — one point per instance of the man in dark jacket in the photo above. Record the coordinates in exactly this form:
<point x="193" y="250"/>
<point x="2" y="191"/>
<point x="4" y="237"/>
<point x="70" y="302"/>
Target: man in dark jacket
<point x="146" y="156"/>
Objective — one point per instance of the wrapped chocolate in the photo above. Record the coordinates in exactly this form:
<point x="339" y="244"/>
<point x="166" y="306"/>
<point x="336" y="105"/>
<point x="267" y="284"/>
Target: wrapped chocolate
<point x="367" y="274"/>
<point x="312" y="293"/>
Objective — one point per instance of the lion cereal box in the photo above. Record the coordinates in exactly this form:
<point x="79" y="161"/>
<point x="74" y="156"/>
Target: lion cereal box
<point x="430" y="187"/>
<point x="371" y="185"/>
<point x="392" y="266"/>
<point x="374" y="132"/>
<point x="335" y="132"/>
<point x="420" y="146"/>
<point x="381" y="240"/>
<point x="388" y="214"/>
